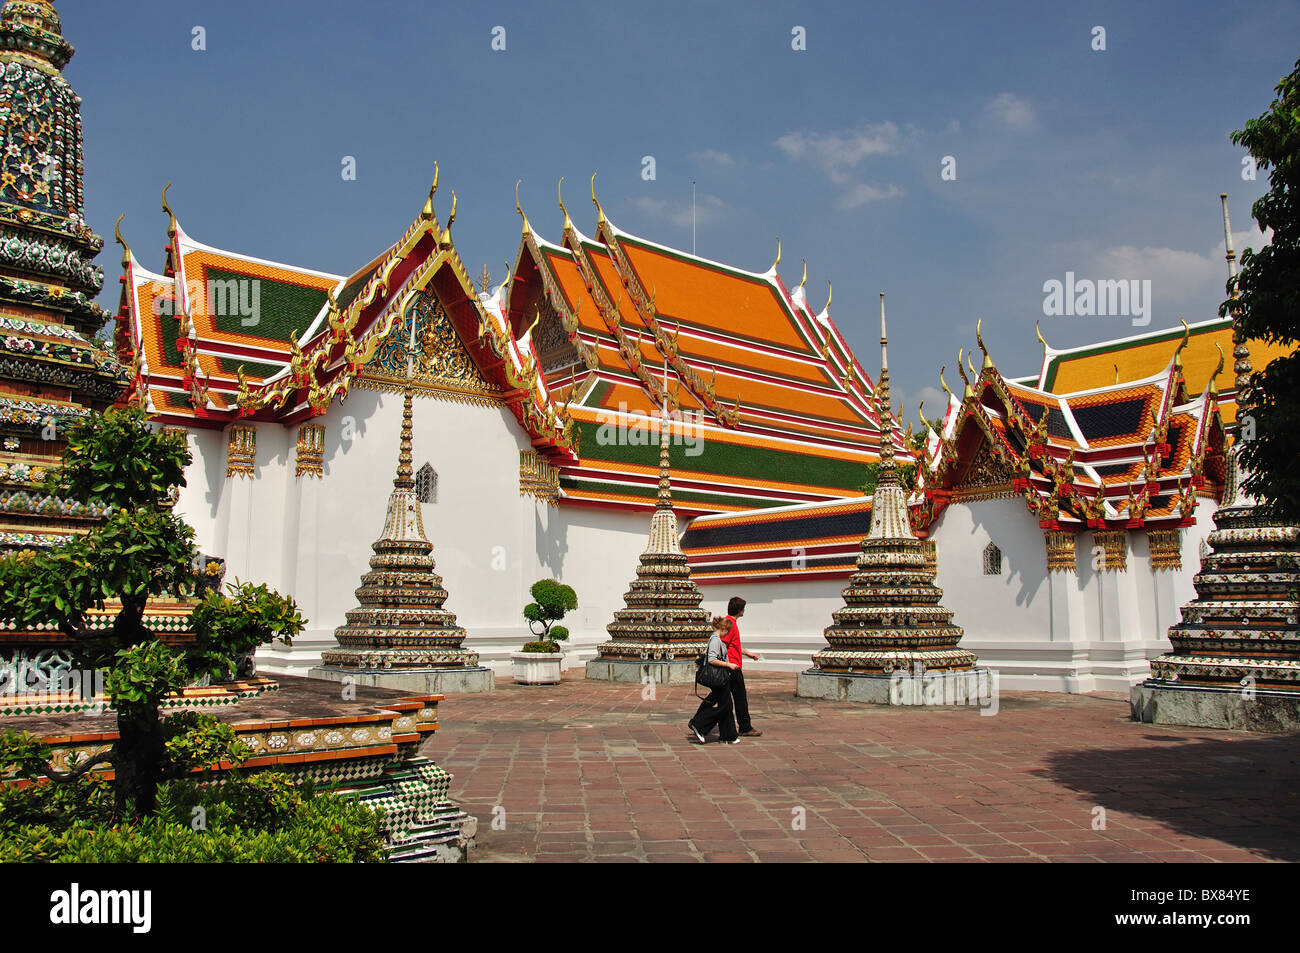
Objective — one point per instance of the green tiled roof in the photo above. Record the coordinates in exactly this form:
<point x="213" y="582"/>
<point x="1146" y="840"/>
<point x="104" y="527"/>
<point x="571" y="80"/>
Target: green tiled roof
<point x="283" y="308"/>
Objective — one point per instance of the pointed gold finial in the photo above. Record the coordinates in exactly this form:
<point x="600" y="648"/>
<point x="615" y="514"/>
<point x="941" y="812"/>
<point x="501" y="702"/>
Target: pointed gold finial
<point x="484" y="279"/>
<point x="971" y="364"/>
<point x="830" y="293"/>
<point x="600" y="212"/>
<point x="427" y="212"/>
<point x="559" y="195"/>
<point x="171" y="225"/>
<point x="451" y="217"/>
<point x="778" y="254"/>
<point x="1218" y="370"/>
<point x="1187" y="336"/>
<point x="117" y="236"/>
<point x="943" y="383"/>
<point x="1116" y="366"/>
<point x="1041" y="339"/>
<point x="920" y="412"/>
<point x="519" y="208"/>
<point x="805" y="273"/>
<point x="979" y="339"/>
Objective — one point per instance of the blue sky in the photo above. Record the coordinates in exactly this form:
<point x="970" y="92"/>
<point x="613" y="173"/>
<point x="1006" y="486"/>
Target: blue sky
<point x="1105" y="163"/>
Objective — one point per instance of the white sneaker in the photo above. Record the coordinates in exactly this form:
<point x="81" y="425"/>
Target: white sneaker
<point x="733" y="741"/>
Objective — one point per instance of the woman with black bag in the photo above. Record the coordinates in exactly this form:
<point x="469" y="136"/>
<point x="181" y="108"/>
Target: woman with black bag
<point x="713" y="672"/>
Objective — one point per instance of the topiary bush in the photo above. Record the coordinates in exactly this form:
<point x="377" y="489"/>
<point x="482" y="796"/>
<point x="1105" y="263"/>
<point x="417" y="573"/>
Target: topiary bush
<point x="551" y="602"/>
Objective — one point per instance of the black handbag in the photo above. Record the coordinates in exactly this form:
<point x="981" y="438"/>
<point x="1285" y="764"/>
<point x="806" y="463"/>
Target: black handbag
<point x="710" y="676"/>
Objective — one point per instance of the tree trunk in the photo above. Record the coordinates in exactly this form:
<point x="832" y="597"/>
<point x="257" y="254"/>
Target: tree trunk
<point x="138" y="759"/>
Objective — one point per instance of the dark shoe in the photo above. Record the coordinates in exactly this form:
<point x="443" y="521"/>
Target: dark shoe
<point x="751" y="733"/>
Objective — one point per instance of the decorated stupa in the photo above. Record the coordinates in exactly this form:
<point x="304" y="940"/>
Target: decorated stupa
<point x="400" y="636"/>
<point x="892" y="626"/>
<point x="662" y="629"/>
<point x="1236" y="653"/>
<point x="52" y="374"/>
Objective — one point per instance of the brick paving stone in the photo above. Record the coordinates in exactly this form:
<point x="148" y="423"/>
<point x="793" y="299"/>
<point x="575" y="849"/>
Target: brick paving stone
<point x="589" y="771"/>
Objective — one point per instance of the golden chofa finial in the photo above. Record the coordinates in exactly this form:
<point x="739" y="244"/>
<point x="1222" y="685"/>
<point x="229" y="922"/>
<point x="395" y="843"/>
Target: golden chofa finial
<point x="1218" y="370"/>
<point x="778" y="254"/>
<point x="117" y="236"/>
<point x="1187" y="336"/>
<point x="1116" y="366"/>
<point x="600" y="212"/>
<point x="961" y="371"/>
<point x="427" y="212"/>
<point x="559" y="196"/>
<point x="830" y="293"/>
<point x="920" y="412"/>
<point x="971" y="364"/>
<point x="943" y="383"/>
<point x="805" y="273"/>
<point x="979" y="339"/>
<point x="1041" y="339"/>
<point x="451" y="217"/>
<point x="519" y="208"/>
<point x="171" y="225"/>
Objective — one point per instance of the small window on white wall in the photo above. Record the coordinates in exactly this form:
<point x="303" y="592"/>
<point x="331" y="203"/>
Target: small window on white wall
<point x="426" y="484"/>
<point x="992" y="560"/>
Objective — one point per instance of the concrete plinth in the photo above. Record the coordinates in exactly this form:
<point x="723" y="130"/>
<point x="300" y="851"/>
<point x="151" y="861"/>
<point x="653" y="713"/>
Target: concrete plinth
<point x="441" y="681"/>
<point x="638" y="671"/>
<point x="1205" y="707"/>
<point x="977" y="687"/>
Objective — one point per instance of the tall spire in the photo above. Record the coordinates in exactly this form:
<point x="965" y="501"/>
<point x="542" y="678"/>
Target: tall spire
<point x="665" y="500"/>
<point x="1240" y="351"/>
<point x="889" y="519"/>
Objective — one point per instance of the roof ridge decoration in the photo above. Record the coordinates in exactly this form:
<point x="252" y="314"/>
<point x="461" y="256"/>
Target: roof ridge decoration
<point x="703" y="392"/>
<point x="1063" y="494"/>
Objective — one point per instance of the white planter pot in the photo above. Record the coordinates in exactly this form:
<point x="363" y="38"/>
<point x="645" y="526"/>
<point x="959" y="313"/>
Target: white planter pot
<point x="536" y="668"/>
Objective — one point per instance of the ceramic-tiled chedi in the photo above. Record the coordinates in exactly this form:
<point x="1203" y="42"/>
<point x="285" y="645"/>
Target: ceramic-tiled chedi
<point x="892" y="621"/>
<point x="400" y="627"/>
<point x="662" y="628"/>
<point x="51" y="372"/>
<point x="1236" y="653"/>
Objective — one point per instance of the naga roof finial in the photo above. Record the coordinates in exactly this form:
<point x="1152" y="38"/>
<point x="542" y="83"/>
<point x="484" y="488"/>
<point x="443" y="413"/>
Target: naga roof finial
<point x="805" y="273"/>
<point x="600" y="212"/>
<point x="943" y="383"/>
<point x="979" y="339"/>
<point x="117" y="236"/>
<point x="171" y="225"/>
<point x="519" y="208"/>
<point x="427" y="212"/>
<point x="559" y="195"/>
<point x="1187" y="336"/>
<point x="830" y="293"/>
<point x="1041" y="339"/>
<point x="778" y="254"/>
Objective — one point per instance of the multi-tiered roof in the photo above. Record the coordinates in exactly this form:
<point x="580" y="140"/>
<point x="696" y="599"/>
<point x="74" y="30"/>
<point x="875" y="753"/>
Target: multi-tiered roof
<point x="785" y="412"/>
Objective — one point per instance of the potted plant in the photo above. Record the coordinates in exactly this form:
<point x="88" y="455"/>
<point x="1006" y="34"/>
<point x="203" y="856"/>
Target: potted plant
<point x="540" y="661"/>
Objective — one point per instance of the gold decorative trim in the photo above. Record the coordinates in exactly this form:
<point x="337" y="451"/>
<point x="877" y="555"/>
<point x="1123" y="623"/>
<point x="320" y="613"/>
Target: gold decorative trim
<point x="537" y="478"/>
<point x="241" y="450"/>
<point x="311" y="451"/>
<point x="171" y="431"/>
<point x="975" y="494"/>
<point x="930" y="549"/>
<point x="1166" y="549"/>
<point x="1114" y="549"/>
<point x="1061" y="556"/>
<point x="426" y="388"/>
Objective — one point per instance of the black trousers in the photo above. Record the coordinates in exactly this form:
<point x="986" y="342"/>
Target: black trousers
<point x="740" y="700"/>
<point x="716" y="710"/>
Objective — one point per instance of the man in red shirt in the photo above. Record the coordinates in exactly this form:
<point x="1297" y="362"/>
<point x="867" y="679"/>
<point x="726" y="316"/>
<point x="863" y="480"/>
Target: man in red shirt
<point x="736" y="609"/>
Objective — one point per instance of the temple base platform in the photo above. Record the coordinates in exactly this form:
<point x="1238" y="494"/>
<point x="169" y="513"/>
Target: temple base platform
<point x="643" y="671"/>
<point x="1204" y="706"/>
<point x="976" y="687"/>
<point x="438" y="681"/>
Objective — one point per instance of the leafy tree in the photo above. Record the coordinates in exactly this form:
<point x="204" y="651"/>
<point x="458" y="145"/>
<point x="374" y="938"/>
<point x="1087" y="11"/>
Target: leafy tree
<point x="140" y="550"/>
<point x="551" y="602"/>
<point x="1268" y="307"/>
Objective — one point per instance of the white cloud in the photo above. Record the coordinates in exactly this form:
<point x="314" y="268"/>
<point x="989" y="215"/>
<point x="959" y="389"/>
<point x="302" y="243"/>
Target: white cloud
<point x="838" y="155"/>
<point x="1010" y="110"/>
<point x="861" y="193"/>
<point x="722" y="159"/>
<point x="708" y="209"/>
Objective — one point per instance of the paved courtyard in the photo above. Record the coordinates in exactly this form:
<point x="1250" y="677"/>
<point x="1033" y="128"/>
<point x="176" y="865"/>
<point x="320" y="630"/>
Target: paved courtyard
<point x="589" y="770"/>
